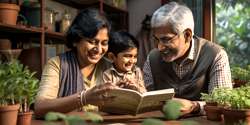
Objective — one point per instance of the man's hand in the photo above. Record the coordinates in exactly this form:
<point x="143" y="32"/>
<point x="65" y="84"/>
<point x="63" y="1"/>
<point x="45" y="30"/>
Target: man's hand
<point x="187" y="106"/>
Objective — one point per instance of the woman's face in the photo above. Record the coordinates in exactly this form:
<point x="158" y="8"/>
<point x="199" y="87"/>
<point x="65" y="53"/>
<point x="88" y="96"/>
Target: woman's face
<point x="90" y="51"/>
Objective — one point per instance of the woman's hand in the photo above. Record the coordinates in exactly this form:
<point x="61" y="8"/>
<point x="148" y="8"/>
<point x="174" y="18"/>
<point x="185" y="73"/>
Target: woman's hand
<point x="129" y="84"/>
<point x="187" y="106"/>
<point x="98" y="94"/>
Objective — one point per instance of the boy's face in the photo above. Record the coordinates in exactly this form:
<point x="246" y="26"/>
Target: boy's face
<point x="126" y="60"/>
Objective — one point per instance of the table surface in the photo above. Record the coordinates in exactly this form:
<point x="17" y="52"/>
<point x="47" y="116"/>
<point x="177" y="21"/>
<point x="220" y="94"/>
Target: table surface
<point x="110" y="119"/>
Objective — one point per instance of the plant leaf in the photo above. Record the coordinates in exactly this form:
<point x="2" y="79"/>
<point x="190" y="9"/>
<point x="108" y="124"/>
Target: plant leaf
<point x="172" y="109"/>
<point x="152" y="121"/>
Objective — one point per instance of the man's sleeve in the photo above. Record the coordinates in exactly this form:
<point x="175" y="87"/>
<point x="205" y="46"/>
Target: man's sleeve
<point x="220" y="75"/>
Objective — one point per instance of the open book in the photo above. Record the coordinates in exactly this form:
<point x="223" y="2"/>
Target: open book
<point x="129" y="101"/>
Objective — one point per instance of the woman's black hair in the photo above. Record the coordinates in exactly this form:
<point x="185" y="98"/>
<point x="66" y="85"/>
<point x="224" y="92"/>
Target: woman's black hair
<point x="121" y="41"/>
<point x="86" y="25"/>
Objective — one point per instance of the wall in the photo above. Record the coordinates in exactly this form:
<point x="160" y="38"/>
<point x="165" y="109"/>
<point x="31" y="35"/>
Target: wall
<point x="137" y="10"/>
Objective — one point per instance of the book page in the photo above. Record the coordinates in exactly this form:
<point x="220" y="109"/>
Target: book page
<point x="126" y="101"/>
<point x="154" y="100"/>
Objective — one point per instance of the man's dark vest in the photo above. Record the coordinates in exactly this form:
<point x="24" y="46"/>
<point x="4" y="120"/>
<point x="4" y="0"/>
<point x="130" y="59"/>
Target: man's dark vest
<point x="195" y="81"/>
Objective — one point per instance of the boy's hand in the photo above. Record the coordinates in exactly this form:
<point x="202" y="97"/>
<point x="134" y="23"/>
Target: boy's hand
<point x="128" y="84"/>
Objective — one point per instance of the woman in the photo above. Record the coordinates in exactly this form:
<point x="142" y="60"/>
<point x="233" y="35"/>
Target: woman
<point x="74" y="78"/>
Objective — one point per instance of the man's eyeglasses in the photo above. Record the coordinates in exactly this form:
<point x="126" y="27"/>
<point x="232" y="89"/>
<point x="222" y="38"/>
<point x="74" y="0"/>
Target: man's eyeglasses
<point x="165" y="40"/>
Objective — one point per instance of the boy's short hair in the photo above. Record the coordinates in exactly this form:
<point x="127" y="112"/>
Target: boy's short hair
<point x="121" y="41"/>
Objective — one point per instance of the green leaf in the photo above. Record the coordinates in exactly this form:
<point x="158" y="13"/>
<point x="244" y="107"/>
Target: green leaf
<point x="90" y="116"/>
<point x="189" y="123"/>
<point x="54" y="116"/>
<point x="172" y="109"/>
<point x="74" y="120"/>
<point x="152" y="121"/>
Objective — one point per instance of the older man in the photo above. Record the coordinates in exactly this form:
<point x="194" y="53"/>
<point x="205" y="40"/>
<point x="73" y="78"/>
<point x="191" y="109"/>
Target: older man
<point x="183" y="61"/>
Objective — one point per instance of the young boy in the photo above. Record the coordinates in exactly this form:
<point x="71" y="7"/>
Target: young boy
<point x="123" y="54"/>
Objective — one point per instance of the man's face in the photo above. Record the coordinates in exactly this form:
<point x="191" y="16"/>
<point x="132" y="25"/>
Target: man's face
<point x="172" y="46"/>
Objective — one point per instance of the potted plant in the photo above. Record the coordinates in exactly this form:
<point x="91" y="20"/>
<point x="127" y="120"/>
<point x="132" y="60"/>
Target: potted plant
<point x="9" y="91"/>
<point x="17" y="89"/>
<point x="238" y="101"/>
<point x="215" y="101"/>
<point x="8" y="11"/>
<point x="28" y="86"/>
<point x="240" y="75"/>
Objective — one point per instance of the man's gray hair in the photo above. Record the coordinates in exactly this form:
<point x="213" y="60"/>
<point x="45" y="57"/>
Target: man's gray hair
<point x="178" y="17"/>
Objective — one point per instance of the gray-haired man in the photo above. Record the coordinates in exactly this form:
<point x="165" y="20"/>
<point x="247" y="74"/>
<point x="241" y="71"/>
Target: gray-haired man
<point x="183" y="61"/>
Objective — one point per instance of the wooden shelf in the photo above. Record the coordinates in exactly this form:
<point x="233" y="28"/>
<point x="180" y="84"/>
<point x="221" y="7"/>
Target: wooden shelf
<point x="111" y="8"/>
<point x="56" y="37"/>
<point x="80" y="4"/>
<point x="77" y="3"/>
<point x="19" y="29"/>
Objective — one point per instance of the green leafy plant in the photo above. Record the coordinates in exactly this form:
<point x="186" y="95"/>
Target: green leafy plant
<point x="17" y="85"/>
<point x="73" y="119"/>
<point x="9" y="83"/>
<point x="232" y="29"/>
<point x="239" y="73"/>
<point x="219" y="96"/>
<point x="237" y="98"/>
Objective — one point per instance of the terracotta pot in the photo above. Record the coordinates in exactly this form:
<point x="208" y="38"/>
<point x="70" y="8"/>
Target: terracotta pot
<point x="9" y="55"/>
<point x="238" y="82"/>
<point x="234" y="116"/>
<point x="5" y="44"/>
<point x="8" y="114"/>
<point x="213" y="112"/>
<point x="8" y="13"/>
<point x="24" y="118"/>
<point x="212" y="103"/>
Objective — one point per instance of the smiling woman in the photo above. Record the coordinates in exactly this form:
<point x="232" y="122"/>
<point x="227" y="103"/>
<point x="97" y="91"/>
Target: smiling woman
<point x="73" y="79"/>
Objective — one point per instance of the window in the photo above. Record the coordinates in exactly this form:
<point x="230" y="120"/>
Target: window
<point x="232" y="20"/>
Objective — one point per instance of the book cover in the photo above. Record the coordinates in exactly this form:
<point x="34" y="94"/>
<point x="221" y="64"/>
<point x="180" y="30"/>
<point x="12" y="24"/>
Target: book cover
<point x="129" y="101"/>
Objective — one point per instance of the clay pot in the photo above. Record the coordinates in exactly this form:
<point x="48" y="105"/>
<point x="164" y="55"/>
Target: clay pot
<point x="8" y="13"/>
<point x="238" y="82"/>
<point x="234" y="116"/>
<point x="24" y="118"/>
<point x="8" y="114"/>
<point x="9" y="55"/>
<point x="5" y="44"/>
<point x="213" y="112"/>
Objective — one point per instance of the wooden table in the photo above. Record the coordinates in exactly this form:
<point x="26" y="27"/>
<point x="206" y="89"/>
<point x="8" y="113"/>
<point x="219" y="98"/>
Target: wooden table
<point x="136" y="120"/>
